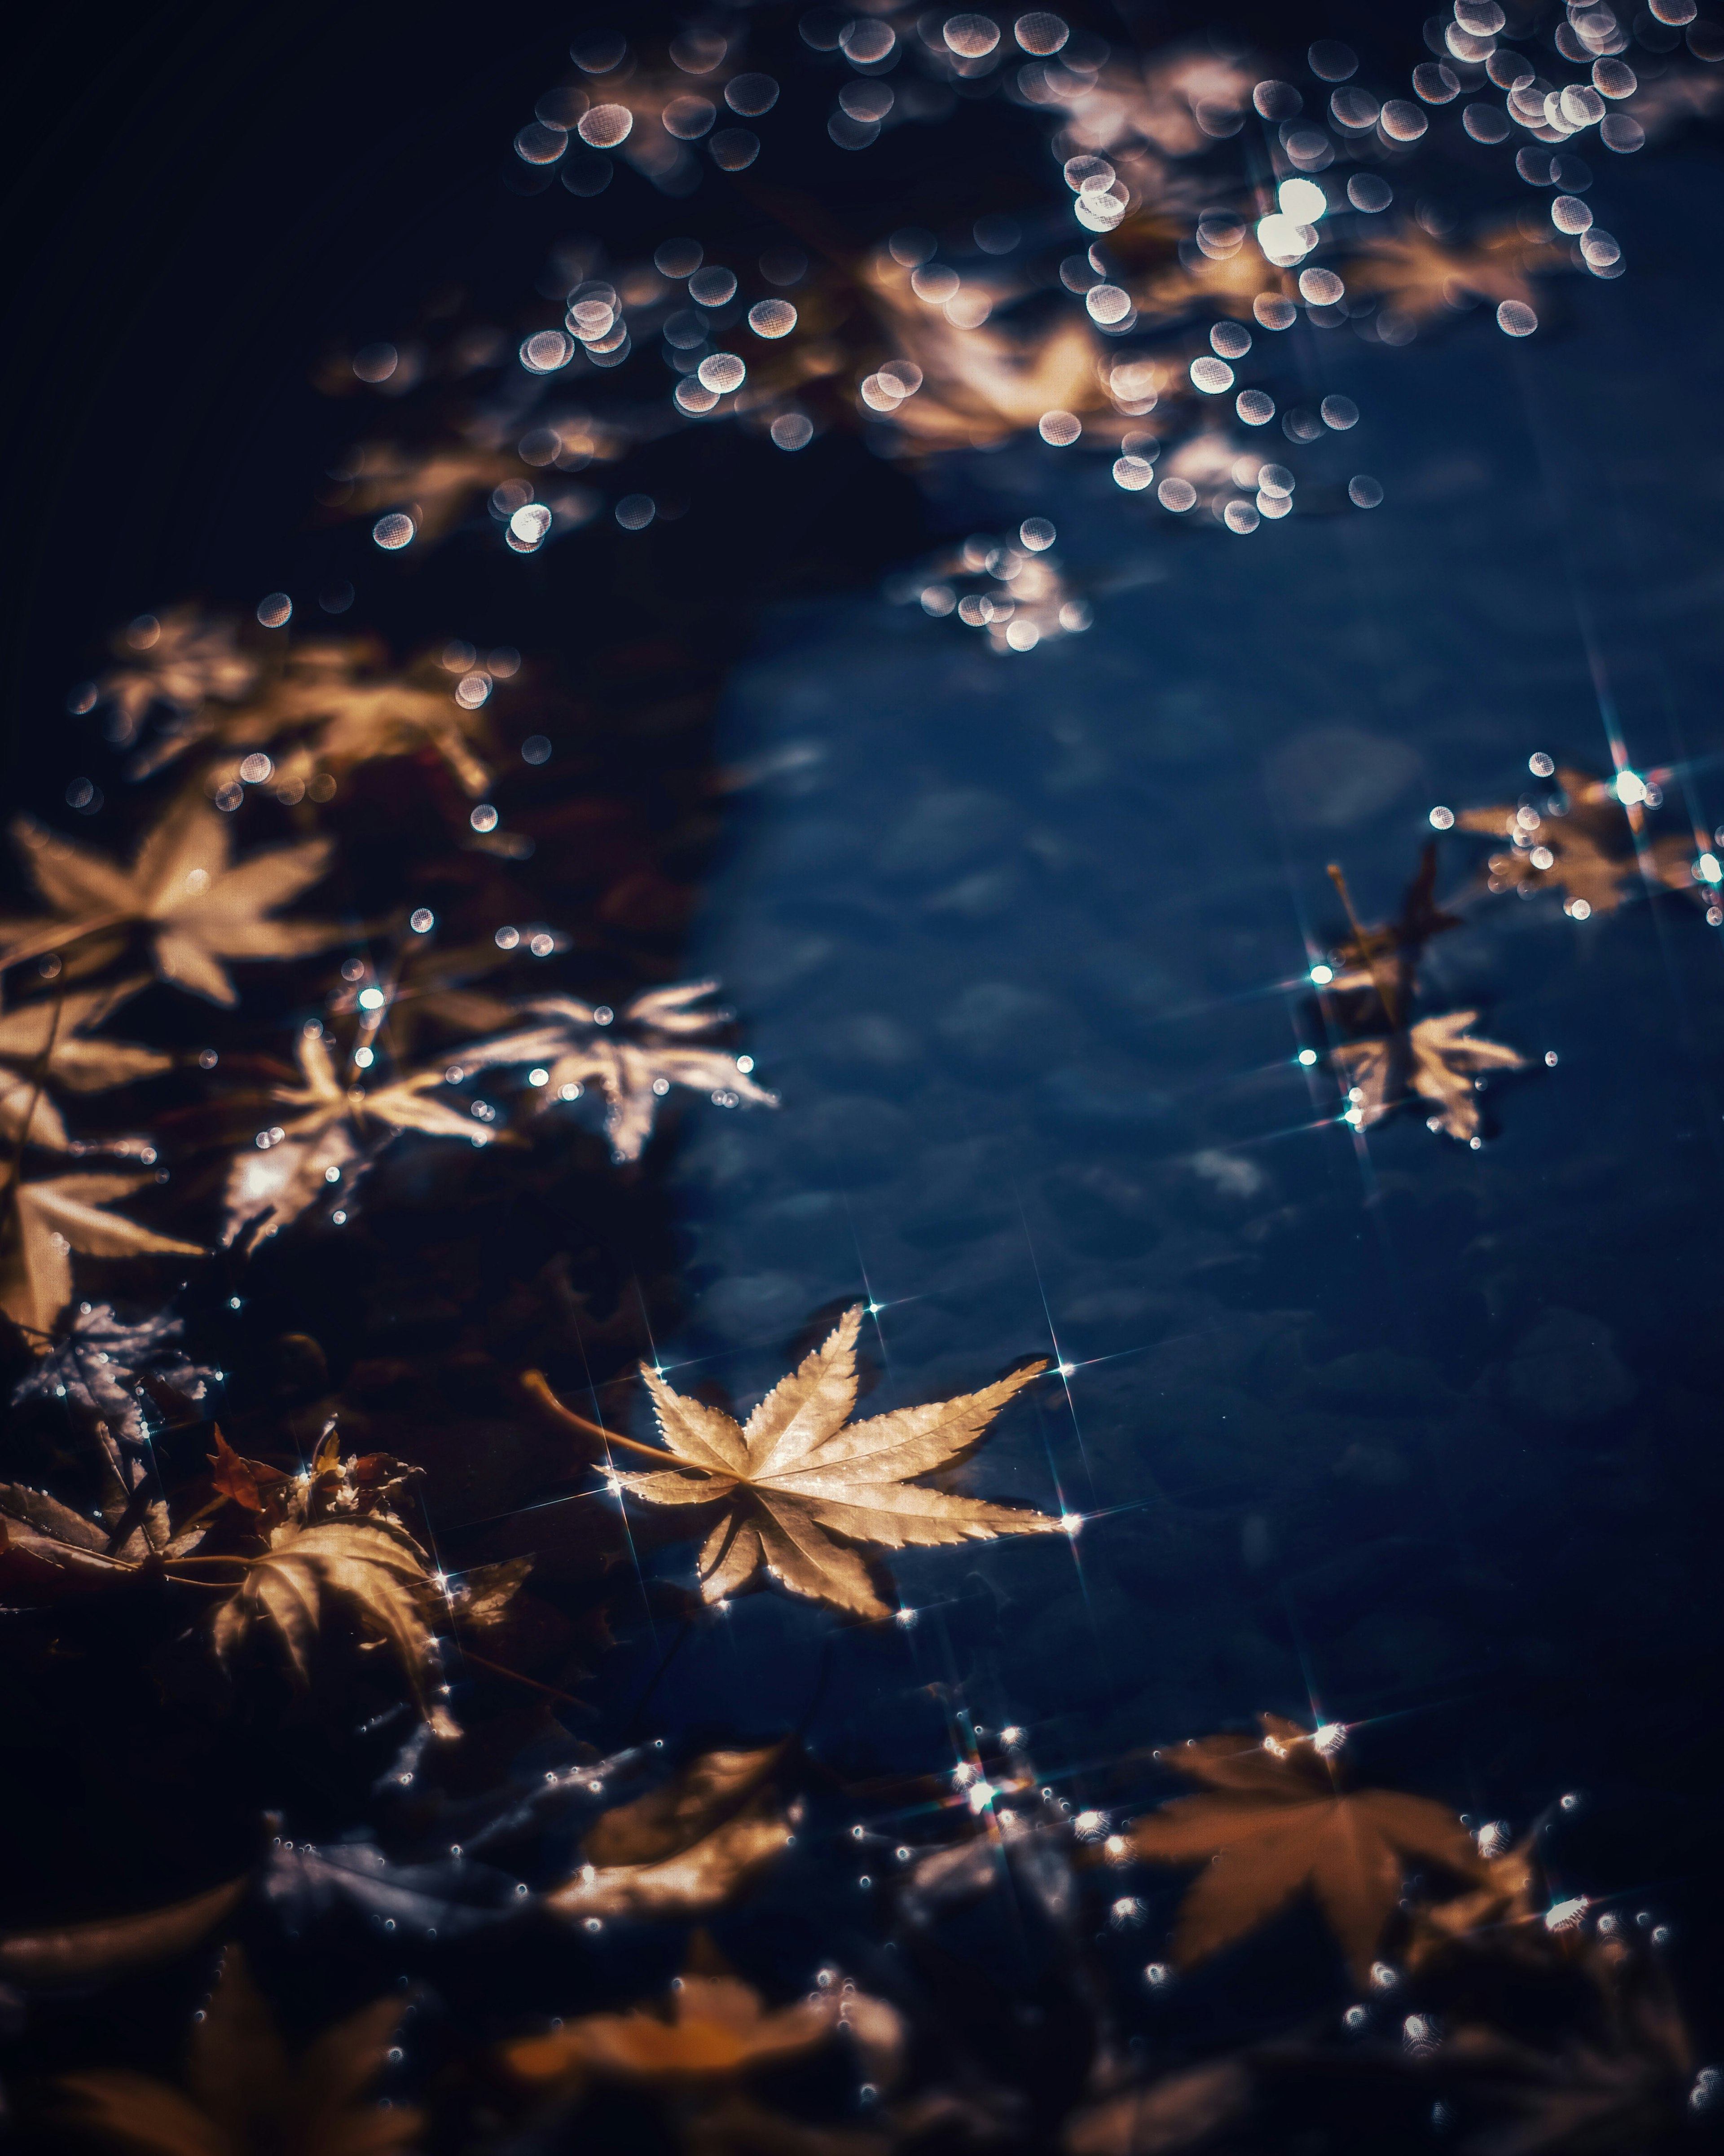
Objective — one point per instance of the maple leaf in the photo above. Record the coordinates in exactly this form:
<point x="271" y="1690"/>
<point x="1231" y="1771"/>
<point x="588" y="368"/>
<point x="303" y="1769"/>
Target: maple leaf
<point x="797" y="1474"/>
<point x="329" y="1126"/>
<point x="1272" y="1825"/>
<point x="245" y="2096"/>
<point x="583" y="1045"/>
<point x="1631" y="2086"/>
<point x="710" y="2028"/>
<point x="1587" y="850"/>
<point x="683" y="1848"/>
<point x="180" y="661"/>
<point x="1420" y="276"/>
<point x="371" y="1565"/>
<point x="196" y="908"/>
<point x="46" y="1222"/>
<point x="45" y="1042"/>
<point x="1434" y="1061"/>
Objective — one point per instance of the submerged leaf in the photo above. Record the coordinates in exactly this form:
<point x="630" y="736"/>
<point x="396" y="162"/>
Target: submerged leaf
<point x="77" y="1953"/>
<point x="800" y="1474"/>
<point x="246" y="2096"/>
<point x="1272" y="1825"/>
<point x="711" y="2028"/>
<point x="683" y="1848"/>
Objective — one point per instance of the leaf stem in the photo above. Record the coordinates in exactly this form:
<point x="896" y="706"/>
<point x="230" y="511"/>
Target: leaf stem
<point x="536" y="1386"/>
<point x="1380" y="975"/>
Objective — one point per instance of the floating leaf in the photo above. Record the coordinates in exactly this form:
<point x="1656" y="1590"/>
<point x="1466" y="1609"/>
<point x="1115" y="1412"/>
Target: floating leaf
<point x="1587" y="850"/>
<point x="185" y="660"/>
<point x="329" y="1126"/>
<point x="1272" y="1825"/>
<point x="51" y="1220"/>
<point x="48" y="1550"/>
<point x="1434" y="1061"/>
<point x="579" y="1048"/>
<point x="372" y="1565"/>
<point x="799" y="1473"/>
<point x="196" y="908"/>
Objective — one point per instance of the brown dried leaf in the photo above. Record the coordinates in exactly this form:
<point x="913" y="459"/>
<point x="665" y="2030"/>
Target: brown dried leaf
<point x="1590" y="850"/>
<point x="1435" y="1060"/>
<point x="328" y="1125"/>
<point x="1175" y="2112"/>
<point x="686" y="1847"/>
<point x="482" y="1601"/>
<point x="373" y="1565"/>
<point x="50" y="1219"/>
<point x="1272" y="1825"/>
<point x="182" y="889"/>
<point x="710" y="2028"/>
<point x="246" y="2094"/>
<point x="76" y="1953"/>
<point x="579" y="1048"/>
<point x="800" y="1473"/>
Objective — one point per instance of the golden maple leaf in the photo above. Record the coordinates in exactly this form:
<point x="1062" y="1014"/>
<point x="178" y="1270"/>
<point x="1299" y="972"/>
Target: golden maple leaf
<point x="683" y="1848"/>
<point x="799" y="1473"/>
<point x="1588" y="851"/>
<point x="1434" y="1061"/>
<point x="244" y="2095"/>
<point x="196" y="908"/>
<point x="369" y="1562"/>
<point x="330" y="1125"/>
<point x="47" y="1042"/>
<point x="1272" y="1825"/>
<point x="585" y="1045"/>
<point x="46" y="1221"/>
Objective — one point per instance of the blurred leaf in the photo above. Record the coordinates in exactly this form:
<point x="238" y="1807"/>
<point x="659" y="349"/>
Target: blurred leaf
<point x="1177" y="2111"/>
<point x="329" y="1131"/>
<point x="1434" y="1061"/>
<point x="578" y="1048"/>
<point x="710" y="2028"/>
<point x="49" y="1221"/>
<point x="76" y="1953"/>
<point x="1272" y="1825"/>
<point x="197" y="908"/>
<point x="683" y="1848"/>
<point x="247" y="2097"/>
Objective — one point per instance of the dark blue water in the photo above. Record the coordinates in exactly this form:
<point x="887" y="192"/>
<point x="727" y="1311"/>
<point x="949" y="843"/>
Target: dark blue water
<point x="1418" y="1436"/>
